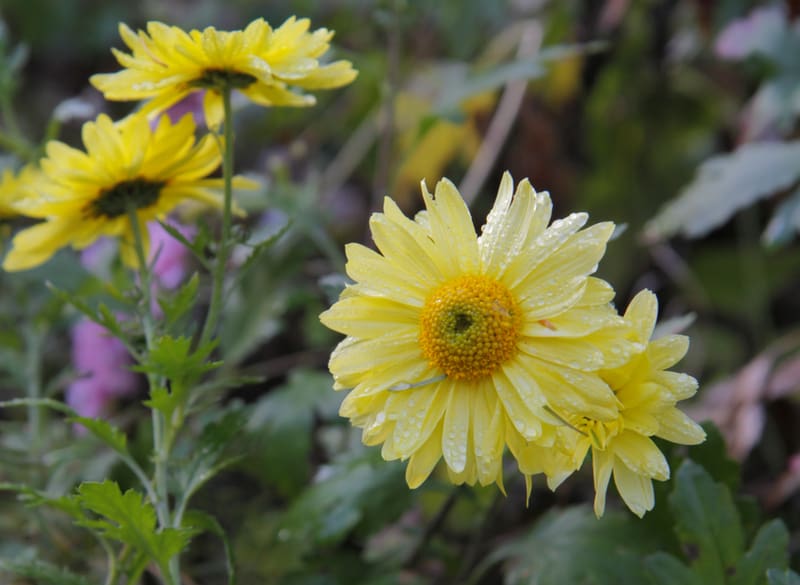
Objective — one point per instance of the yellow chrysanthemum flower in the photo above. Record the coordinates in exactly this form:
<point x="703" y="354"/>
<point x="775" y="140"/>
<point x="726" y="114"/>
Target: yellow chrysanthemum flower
<point x="459" y="344"/>
<point x="127" y="166"/>
<point x="647" y="396"/>
<point x="166" y="64"/>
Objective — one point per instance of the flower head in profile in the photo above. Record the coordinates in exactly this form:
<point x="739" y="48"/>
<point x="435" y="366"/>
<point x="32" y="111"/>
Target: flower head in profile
<point x="269" y="66"/>
<point x="647" y="396"/>
<point x="127" y="170"/>
<point x="458" y="345"/>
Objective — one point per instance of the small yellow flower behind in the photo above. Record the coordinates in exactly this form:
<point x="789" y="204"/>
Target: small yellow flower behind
<point x="128" y="167"/>
<point x="458" y="345"/>
<point x="647" y="396"/>
<point x="166" y="64"/>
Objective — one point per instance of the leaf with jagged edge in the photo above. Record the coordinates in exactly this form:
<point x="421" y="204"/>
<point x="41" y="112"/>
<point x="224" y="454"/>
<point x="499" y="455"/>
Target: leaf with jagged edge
<point x="707" y="523"/>
<point x="769" y="551"/>
<point x="725" y="184"/>
<point x="130" y="519"/>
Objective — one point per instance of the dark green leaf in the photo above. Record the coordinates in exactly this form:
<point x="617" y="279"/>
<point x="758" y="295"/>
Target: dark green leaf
<point x="573" y="546"/>
<point x="664" y="569"/>
<point x="712" y="455"/>
<point x="281" y="425"/>
<point x="769" y="550"/>
<point x="707" y="523"/>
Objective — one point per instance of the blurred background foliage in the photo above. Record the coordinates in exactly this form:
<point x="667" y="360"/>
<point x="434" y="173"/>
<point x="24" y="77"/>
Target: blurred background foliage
<point x="674" y="118"/>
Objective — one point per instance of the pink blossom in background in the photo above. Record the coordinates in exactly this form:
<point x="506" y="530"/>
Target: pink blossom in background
<point x="191" y="104"/>
<point x="761" y="31"/>
<point x="101" y="363"/>
<point x="171" y="257"/>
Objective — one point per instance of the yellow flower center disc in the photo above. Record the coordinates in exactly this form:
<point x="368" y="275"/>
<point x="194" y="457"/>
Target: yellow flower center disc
<point x="469" y="326"/>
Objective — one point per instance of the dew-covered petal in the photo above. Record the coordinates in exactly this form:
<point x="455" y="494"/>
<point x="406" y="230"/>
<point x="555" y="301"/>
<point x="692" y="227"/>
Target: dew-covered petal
<point x="602" y="466"/>
<point x="424" y="459"/>
<point x="677" y="427"/>
<point x="667" y="351"/>
<point x="455" y="434"/>
<point x="636" y="490"/>
<point x="641" y="455"/>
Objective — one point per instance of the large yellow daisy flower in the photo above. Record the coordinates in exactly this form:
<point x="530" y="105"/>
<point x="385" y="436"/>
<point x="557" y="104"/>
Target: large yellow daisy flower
<point x="647" y="397"/>
<point x="127" y="167"/>
<point x="166" y="64"/>
<point x="458" y="344"/>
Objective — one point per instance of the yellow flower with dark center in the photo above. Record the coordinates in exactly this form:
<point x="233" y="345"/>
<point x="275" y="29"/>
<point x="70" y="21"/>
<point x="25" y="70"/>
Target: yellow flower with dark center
<point x="459" y="344"/>
<point x="166" y="64"/>
<point x="127" y="167"/>
<point x="647" y="396"/>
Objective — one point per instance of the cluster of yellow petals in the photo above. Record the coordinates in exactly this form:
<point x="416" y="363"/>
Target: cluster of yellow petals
<point x="269" y="66"/>
<point x="460" y="347"/>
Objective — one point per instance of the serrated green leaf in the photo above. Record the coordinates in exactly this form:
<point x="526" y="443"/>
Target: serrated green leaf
<point x="769" y="551"/>
<point x="664" y="569"/>
<point x="173" y="358"/>
<point x="726" y="183"/>
<point x="261" y="247"/>
<point x="129" y="519"/>
<point x="163" y="401"/>
<point x="34" y="498"/>
<point x="782" y="577"/>
<point x="707" y="523"/>
<point x="105" y="431"/>
<point x="177" y="304"/>
<point x="42" y="572"/>
<point x="572" y="546"/>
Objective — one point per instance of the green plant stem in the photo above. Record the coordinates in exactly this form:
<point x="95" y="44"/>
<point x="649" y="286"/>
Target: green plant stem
<point x="33" y="378"/>
<point x="161" y="447"/>
<point x="223" y="251"/>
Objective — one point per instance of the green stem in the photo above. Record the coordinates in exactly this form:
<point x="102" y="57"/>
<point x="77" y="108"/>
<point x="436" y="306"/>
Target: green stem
<point x="33" y="377"/>
<point x="223" y="251"/>
<point x="161" y="447"/>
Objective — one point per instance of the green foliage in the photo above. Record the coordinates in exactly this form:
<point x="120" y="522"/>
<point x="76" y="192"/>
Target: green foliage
<point x="42" y="572"/>
<point x="712" y="537"/>
<point x="281" y="424"/>
<point x="609" y="550"/>
<point x="726" y="184"/>
<point x="129" y="519"/>
<point x="172" y="358"/>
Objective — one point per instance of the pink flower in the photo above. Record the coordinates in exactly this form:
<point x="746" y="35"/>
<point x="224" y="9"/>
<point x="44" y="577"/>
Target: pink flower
<point x="101" y="362"/>
<point x="762" y="31"/>
<point x="171" y="257"/>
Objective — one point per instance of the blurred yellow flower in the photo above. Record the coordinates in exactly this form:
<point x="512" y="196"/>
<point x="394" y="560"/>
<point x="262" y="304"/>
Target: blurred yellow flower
<point x="166" y="64"/>
<point x="647" y="397"/>
<point x="16" y="188"/>
<point x="459" y="344"/>
<point x="127" y="167"/>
